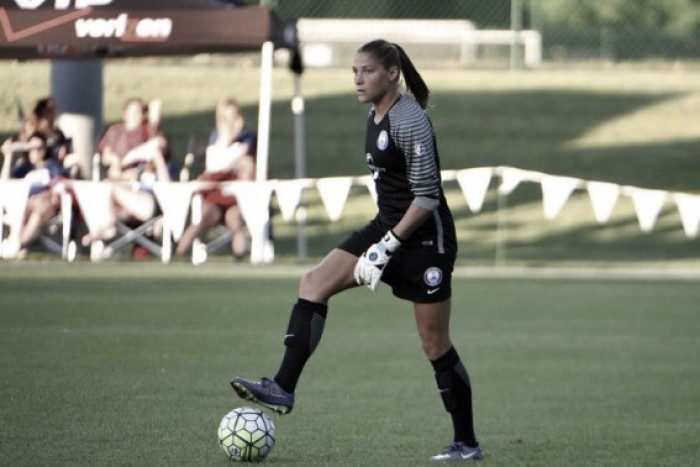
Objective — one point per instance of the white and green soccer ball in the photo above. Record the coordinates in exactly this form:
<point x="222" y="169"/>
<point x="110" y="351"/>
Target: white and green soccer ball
<point x="246" y="435"/>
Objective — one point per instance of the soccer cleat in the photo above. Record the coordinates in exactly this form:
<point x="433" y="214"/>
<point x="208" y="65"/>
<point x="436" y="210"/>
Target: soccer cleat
<point x="265" y="392"/>
<point x="459" y="452"/>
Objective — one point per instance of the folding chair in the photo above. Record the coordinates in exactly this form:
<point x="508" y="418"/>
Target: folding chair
<point x="14" y="195"/>
<point x="254" y="202"/>
<point x="13" y="203"/>
<point x="95" y="201"/>
<point x="63" y="227"/>
<point x="59" y="236"/>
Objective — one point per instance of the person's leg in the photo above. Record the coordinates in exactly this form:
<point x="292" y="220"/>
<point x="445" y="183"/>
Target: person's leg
<point x="306" y="322"/>
<point x="211" y="215"/>
<point x="432" y="322"/>
<point x="239" y="240"/>
<point x="138" y="204"/>
<point x="332" y="275"/>
<point x="40" y="210"/>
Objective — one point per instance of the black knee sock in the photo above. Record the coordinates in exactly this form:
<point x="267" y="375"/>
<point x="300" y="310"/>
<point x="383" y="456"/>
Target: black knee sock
<point x="303" y="335"/>
<point x="455" y="390"/>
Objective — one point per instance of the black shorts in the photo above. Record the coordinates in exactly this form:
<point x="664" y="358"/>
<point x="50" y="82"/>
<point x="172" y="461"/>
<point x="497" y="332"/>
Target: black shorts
<point x="418" y="274"/>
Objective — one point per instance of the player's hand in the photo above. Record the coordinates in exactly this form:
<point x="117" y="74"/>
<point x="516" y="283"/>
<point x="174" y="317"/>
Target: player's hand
<point x="370" y="266"/>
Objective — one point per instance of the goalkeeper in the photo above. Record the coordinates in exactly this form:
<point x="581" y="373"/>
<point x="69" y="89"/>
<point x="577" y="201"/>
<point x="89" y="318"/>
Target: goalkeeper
<point x="410" y="245"/>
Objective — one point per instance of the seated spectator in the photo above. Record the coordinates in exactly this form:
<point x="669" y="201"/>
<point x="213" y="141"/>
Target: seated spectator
<point x="136" y="201"/>
<point x="140" y="125"/>
<point x="43" y="119"/>
<point x="134" y="150"/>
<point x="42" y="171"/>
<point x="230" y="156"/>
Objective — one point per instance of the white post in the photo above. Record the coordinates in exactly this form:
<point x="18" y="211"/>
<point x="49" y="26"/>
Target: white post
<point x="300" y="165"/>
<point x="261" y="248"/>
<point x="516" y="26"/>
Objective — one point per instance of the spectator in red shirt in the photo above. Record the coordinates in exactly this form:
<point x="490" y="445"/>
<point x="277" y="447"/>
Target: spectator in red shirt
<point x="139" y="125"/>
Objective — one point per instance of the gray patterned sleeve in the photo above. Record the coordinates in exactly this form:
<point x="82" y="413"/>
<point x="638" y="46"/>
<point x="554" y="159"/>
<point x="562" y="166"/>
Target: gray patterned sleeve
<point x="413" y="134"/>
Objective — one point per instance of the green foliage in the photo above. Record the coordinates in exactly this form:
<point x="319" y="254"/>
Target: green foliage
<point x="674" y="16"/>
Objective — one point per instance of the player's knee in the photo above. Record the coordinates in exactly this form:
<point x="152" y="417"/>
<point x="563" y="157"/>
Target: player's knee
<point x="311" y="286"/>
<point x="435" y="345"/>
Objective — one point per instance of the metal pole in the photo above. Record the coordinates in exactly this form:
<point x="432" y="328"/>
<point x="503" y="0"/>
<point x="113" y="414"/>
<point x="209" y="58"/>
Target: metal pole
<point x="501" y="229"/>
<point x="516" y="26"/>
<point x="77" y="87"/>
<point x="261" y="248"/>
<point x="298" y="109"/>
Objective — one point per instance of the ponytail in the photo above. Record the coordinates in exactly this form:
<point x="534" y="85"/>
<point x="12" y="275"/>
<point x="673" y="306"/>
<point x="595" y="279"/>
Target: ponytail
<point x="414" y="81"/>
<point x="389" y="55"/>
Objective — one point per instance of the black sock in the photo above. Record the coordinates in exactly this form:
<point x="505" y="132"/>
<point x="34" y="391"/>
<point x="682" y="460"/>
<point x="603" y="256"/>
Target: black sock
<point x="303" y="335"/>
<point x="455" y="390"/>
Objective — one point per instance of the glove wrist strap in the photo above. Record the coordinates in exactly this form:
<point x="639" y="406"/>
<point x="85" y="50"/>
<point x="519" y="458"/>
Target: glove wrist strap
<point x="391" y="241"/>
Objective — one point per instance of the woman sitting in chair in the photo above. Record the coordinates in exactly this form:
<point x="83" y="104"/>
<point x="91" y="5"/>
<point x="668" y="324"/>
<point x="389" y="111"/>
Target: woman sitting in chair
<point x="41" y="171"/>
<point x="230" y="156"/>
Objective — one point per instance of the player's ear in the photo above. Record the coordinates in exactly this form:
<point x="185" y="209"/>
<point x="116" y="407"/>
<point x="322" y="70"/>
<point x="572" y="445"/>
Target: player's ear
<point x="394" y="73"/>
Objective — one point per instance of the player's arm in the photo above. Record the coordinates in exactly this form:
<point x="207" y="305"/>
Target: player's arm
<point x="418" y="212"/>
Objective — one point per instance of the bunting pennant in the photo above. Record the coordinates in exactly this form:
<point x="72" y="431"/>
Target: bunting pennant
<point x="289" y="196"/>
<point x="647" y="204"/>
<point x="254" y="200"/>
<point x="95" y="201"/>
<point x="13" y="202"/>
<point x="474" y="184"/>
<point x="603" y="199"/>
<point x="555" y="192"/>
<point x="689" y="209"/>
<point x="175" y="199"/>
<point x="334" y="192"/>
<point x="511" y="178"/>
<point x="368" y="181"/>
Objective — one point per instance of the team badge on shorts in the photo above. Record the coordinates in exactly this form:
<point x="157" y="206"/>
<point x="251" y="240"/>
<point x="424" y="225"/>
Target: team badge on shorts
<point x="432" y="276"/>
<point x="383" y="140"/>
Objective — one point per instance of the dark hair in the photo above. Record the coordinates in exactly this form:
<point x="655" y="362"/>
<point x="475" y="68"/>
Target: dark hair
<point x="40" y="135"/>
<point x="389" y="55"/>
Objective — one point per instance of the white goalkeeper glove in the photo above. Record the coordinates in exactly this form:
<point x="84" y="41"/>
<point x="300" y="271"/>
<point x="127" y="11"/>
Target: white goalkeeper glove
<point x="370" y="266"/>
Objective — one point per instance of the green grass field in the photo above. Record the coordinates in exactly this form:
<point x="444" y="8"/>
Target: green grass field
<point x="128" y="364"/>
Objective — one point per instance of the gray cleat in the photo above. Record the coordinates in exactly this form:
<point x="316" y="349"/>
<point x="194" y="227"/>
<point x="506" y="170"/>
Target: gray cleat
<point x="459" y="452"/>
<point x="265" y="392"/>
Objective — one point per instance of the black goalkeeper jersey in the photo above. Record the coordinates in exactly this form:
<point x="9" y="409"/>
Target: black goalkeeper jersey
<point x="402" y="157"/>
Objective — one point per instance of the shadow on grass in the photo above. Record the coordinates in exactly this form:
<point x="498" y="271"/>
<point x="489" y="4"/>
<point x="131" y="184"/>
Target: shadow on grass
<point x="528" y="130"/>
<point x="525" y="129"/>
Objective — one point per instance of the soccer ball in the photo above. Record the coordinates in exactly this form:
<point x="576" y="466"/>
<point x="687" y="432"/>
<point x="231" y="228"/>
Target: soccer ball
<point x="246" y="435"/>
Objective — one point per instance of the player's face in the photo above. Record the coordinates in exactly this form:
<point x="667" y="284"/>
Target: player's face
<point x="372" y="80"/>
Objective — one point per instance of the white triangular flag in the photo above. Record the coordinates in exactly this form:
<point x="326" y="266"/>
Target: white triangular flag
<point x="368" y="181"/>
<point x="555" y="191"/>
<point x="13" y="203"/>
<point x="689" y="209"/>
<point x="334" y="192"/>
<point x="95" y="201"/>
<point x="512" y="177"/>
<point x="474" y="183"/>
<point x="289" y="196"/>
<point x="254" y="200"/>
<point x="13" y="197"/>
<point x="174" y="199"/>
<point x="647" y="204"/>
<point x="603" y="198"/>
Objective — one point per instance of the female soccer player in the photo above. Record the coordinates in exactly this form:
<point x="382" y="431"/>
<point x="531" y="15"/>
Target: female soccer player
<point x="410" y="245"/>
